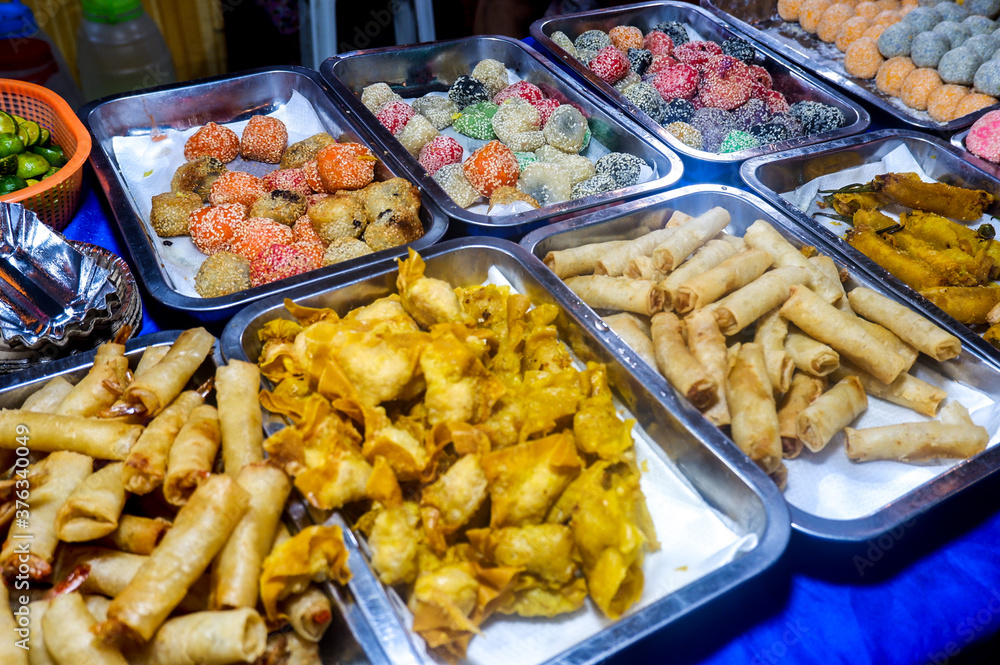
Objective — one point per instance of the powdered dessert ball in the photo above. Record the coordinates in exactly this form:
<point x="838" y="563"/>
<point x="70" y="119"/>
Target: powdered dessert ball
<point x="979" y="25"/>
<point x="851" y="30"/>
<point x="686" y="134"/>
<point x="955" y="32"/>
<point x="221" y="274"/>
<point x="394" y="116"/>
<point x="213" y="140"/>
<point x="892" y="73"/>
<point x="887" y="18"/>
<point x="834" y="16"/>
<point x="788" y="10"/>
<point x="862" y="58"/>
<point x="868" y="10"/>
<point x="811" y="14"/>
<point x="984" y="137"/>
<point x="949" y="11"/>
<point x="918" y="86"/>
<point x="987" y="78"/>
<point x="922" y="18"/>
<point x="987" y="8"/>
<point x="264" y="139"/>
<point x="928" y="49"/>
<point x="959" y="66"/>
<point x="897" y="39"/>
<point x="982" y="45"/>
<point x="942" y="104"/>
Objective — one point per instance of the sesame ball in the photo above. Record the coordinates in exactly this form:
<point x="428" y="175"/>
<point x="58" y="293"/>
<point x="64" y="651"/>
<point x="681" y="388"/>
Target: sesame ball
<point x="686" y="134"/>
<point x="214" y="228"/>
<point x="754" y="112"/>
<point x="236" y="187"/>
<point x="305" y="150"/>
<point x="214" y="141"/>
<point x="564" y="42"/>
<point x="740" y="49"/>
<point x="345" y="249"/>
<point x="293" y="180"/>
<point x="817" y="117"/>
<point x="171" y="211"/>
<point x="678" y="110"/>
<point x="624" y="37"/>
<point x="492" y="74"/>
<point x="278" y="262"/>
<point x="264" y="139"/>
<point x="466" y="91"/>
<point x="769" y="133"/>
<point x="738" y="140"/>
<point x="675" y="30"/>
<point x="440" y="111"/>
<point x="221" y="274"/>
<point x="790" y="123"/>
<point x="892" y="73"/>
<point x="592" y="40"/>
<point x="279" y="205"/>
<point x="593" y="186"/>
<point x="259" y="234"/>
<point x="639" y="59"/>
<point x="918" y="86"/>
<point x="648" y="100"/>
<point x="624" y="169"/>
<point x="377" y="94"/>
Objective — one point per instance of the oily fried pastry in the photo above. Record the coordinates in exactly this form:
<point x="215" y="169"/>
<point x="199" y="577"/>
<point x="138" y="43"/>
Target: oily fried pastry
<point x="966" y="205"/>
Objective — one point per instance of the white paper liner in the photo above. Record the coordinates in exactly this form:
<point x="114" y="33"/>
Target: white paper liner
<point x="148" y="166"/>
<point x="695" y="540"/>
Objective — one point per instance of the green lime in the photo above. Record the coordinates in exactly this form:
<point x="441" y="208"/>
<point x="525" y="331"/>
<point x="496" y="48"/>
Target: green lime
<point x="18" y="119"/>
<point x="51" y="172"/>
<point x="11" y="183"/>
<point x="51" y="156"/>
<point x="8" y="165"/>
<point x="10" y="144"/>
<point x="45" y="137"/>
<point x="30" y="165"/>
<point x="34" y="132"/>
<point x="7" y="124"/>
<point x="22" y="133"/>
<point x="31" y="181"/>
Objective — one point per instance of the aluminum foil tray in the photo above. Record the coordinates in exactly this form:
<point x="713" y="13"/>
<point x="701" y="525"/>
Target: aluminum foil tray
<point x="866" y="500"/>
<point x="789" y="79"/>
<point x="222" y="99"/>
<point x="413" y="71"/>
<point x="759" y="20"/>
<point x="731" y="487"/>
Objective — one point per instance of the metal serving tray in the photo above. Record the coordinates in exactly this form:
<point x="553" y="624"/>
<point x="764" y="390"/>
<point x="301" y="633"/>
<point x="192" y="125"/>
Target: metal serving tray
<point x="413" y="71"/>
<point x="958" y="140"/>
<point x="759" y="20"/>
<point x="222" y="99"/>
<point x="970" y="369"/>
<point x="789" y="79"/>
<point x="785" y="172"/>
<point x="719" y="474"/>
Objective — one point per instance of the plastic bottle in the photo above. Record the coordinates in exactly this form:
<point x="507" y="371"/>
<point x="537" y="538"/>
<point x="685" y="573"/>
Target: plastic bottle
<point x="120" y="49"/>
<point x="28" y="54"/>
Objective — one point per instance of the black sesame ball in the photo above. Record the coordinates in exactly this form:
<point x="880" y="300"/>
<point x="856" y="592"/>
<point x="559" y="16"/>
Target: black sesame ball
<point x="770" y="132"/>
<point x="623" y="168"/>
<point x="466" y="91"/>
<point x="675" y="30"/>
<point x="816" y="117"/>
<point x="740" y="49"/>
<point x="789" y="122"/>
<point x="678" y="110"/>
<point x="639" y="59"/>
<point x="597" y="184"/>
<point x="592" y="40"/>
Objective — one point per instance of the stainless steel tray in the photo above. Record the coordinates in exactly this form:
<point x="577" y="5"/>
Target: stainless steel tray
<point x="759" y="20"/>
<point x="785" y="172"/>
<point x="958" y="140"/>
<point x="970" y="369"/>
<point x="415" y="70"/>
<point x="789" y="79"/>
<point x="222" y="99"/>
<point x="718" y="473"/>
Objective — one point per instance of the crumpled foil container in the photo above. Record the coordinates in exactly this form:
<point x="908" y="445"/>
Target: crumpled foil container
<point x="48" y="289"/>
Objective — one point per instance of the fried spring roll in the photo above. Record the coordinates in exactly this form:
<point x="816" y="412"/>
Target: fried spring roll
<point x="101" y="386"/>
<point x="101" y="439"/>
<point x="907" y="390"/>
<point x="614" y="261"/>
<point x="907" y="353"/>
<point x="67" y="624"/>
<point x="619" y="293"/>
<point x="708" y="346"/>
<point x="206" y="638"/>
<point x="57" y="476"/>
<point x="236" y="388"/>
<point x="710" y="255"/>
<point x="829" y="268"/>
<point x="10" y="652"/>
<point x="956" y="438"/>
<point x="831" y="412"/>
<point x="753" y="410"/>
<point x="236" y="571"/>
<point x="92" y="511"/>
<point x="146" y="464"/>
<point x="136" y="535"/>
<point x="308" y="612"/>
<point x="677" y="247"/>
<point x="744" y="306"/>
<point x="200" y="531"/>
<point x="770" y="334"/>
<point x="39" y="653"/>
<point x="48" y="397"/>
<point x="164" y="381"/>
<point x="803" y="390"/>
<point x="842" y="332"/>
<point x="192" y="455"/>
<point x="644" y="267"/>
<point x="810" y="356"/>
<point x="909" y="326"/>
<point x="151" y="356"/>
<point x="632" y="334"/>
<point x="733" y="273"/>
<point x="110" y="570"/>
<point x="761" y="235"/>
<point x="678" y="365"/>
<point x="640" y="322"/>
<point x="580" y="260"/>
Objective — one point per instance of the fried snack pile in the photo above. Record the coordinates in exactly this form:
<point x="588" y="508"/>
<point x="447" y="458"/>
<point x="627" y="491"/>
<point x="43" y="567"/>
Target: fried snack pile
<point x="499" y="477"/>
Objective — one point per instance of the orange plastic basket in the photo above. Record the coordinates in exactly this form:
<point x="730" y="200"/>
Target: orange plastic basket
<point x="54" y="199"/>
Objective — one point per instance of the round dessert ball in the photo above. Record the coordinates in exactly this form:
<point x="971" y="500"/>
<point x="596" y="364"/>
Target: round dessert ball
<point x="851" y="30"/>
<point x="817" y="117"/>
<point x="592" y="40"/>
<point x="928" y="47"/>
<point x="811" y="14"/>
<point x="874" y="32"/>
<point x="887" y="18"/>
<point x="943" y="102"/>
<point x="979" y="25"/>
<point x="862" y="58"/>
<point x="918" y="86"/>
<point x="959" y="66"/>
<point x="214" y="141"/>
<point x="983" y="45"/>
<point x="833" y="18"/>
<point x="897" y="39"/>
<point x="888" y="5"/>
<point x="949" y="11"/>
<point x="868" y="10"/>
<point x="987" y="8"/>
<point x="984" y="137"/>
<point x="678" y="110"/>
<point x="922" y="19"/>
<point x="955" y="32"/>
<point x="221" y="274"/>
<point x="264" y="139"/>
<point x="788" y="10"/>
<point x="892" y="73"/>
<point x="973" y="102"/>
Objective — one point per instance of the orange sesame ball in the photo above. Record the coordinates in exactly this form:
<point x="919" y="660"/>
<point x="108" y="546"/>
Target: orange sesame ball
<point x="833" y="18"/>
<point x="887" y="5"/>
<point x="867" y="9"/>
<point x="887" y="18"/>
<point x="874" y="32"/>
<point x="972" y="103"/>
<point x="214" y="228"/>
<point x="918" y="86"/>
<point x="313" y="251"/>
<point x="304" y="231"/>
<point x="345" y="166"/>
<point x="491" y="167"/>
<point x="811" y="14"/>
<point x="236" y="187"/>
<point x="311" y="169"/>
<point x="892" y="73"/>
<point x="862" y="58"/>
<point x="788" y="10"/>
<point x="212" y="140"/>
<point x="259" y="234"/>
<point x="943" y="102"/>
<point x="851" y="31"/>
<point x="264" y="139"/>
<point x="624" y="37"/>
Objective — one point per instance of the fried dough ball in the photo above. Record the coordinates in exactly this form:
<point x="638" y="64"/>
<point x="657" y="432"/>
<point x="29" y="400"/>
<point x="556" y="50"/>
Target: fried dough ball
<point x="264" y="139"/>
<point x="851" y="30"/>
<point x="171" y="211"/>
<point x="339" y="216"/>
<point x="279" y="205"/>
<point x="214" y="141"/>
<point x="221" y="274"/>
<point x="834" y="16"/>
<point x="259" y="234"/>
<point x="305" y="150"/>
<point x="942" y="104"/>
<point x="197" y="176"/>
<point x="892" y="73"/>
<point x="395" y="229"/>
<point x="345" y="249"/>
<point x="862" y="58"/>
<point x="811" y="13"/>
<point x="918" y="86"/>
<point x="390" y="195"/>
<point x="346" y="166"/>
<point x="236" y="187"/>
<point x="213" y="229"/>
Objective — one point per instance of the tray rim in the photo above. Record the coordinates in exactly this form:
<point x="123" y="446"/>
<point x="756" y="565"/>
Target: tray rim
<point x="958" y="141"/>
<point x="899" y="511"/>
<point x="845" y="83"/>
<point x="131" y="226"/>
<point x="673" y="606"/>
<point x="613" y="97"/>
<point x="505" y="222"/>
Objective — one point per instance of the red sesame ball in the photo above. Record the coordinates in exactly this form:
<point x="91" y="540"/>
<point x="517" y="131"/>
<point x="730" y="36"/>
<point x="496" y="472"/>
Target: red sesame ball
<point x="776" y="102"/>
<point x="726" y="86"/>
<point x="441" y="151"/>
<point x="304" y="231"/>
<point x="609" y="64"/>
<point x="311" y="171"/>
<point x="395" y="115"/>
<point x="526" y="91"/>
<point x="313" y="251"/>
<point x="278" y="262"/>
<point x="677" y="82"/>
<point x="695" y="53"/>
<point x="294" y="180"/>
<point x="761" y="78"/>
<point x="659" y="43"/>
<point x="264" y="139"/>
<point x="660" y="63"/>
<point x="259" y="234"/>
<point x="236" y="187"/>
<point x="214" y="228"/>
<point x="212" y="140"/>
